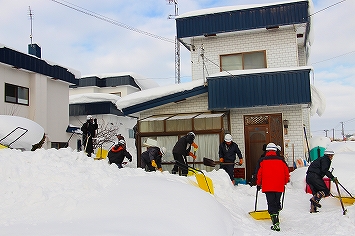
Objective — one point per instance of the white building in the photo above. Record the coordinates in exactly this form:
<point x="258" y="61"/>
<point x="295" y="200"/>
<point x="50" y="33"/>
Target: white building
<point x="252" y="80"/>
<point x="38" y="90"/>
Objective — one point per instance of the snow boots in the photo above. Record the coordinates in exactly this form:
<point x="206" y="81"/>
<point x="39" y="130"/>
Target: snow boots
<point x="313" y="209"/>
<point x="275" y="222"/>
<point x="316" y="198"/>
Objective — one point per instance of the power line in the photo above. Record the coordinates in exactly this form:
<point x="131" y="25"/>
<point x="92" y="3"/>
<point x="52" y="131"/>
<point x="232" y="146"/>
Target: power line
<point x="326" y="8"/>
<point x="333" y="57"/>
<point x="112" y="21"/>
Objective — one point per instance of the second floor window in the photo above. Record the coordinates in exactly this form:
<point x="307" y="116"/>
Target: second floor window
<point x="243" y="61"/>
<point x="16" y="94"/>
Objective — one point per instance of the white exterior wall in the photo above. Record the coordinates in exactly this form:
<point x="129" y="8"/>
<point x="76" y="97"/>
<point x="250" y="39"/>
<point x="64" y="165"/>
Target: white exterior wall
<point x="48" y="102"/>
<point x="280" y="45"/>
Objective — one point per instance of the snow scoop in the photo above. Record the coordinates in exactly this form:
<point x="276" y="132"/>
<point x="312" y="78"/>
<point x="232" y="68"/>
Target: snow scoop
<point x="348" y="200"/>
<point x="259" y="215"/>
<point x="203" y="181"/>
<point x="340" y="198"/>
<point x="212" y="163"/>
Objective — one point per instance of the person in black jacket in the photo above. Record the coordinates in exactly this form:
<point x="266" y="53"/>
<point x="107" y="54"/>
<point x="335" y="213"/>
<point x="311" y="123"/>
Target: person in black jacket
<point x="228" y="150"/>
<point x="117" y="153"/>
<point x="315" y="173"/>
<point x="89" y="132"/>
<point x="182" y="149"/>
<point x="151" y="158"/>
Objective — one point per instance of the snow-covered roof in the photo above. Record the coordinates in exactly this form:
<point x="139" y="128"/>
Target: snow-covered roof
<point x="230" y="8"/>
<point x="150" y="94"/>
<point x="93" y="97"/>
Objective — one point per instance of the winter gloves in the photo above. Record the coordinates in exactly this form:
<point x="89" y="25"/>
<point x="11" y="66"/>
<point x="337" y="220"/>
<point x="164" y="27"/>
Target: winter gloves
<point x="240" y="162"/>
<point x="192" y="155"/>
<point x="195" y="146"/>
<point x="154" y="164"/>
<point x="221" y="159"/>
<point x="335" y="179"/>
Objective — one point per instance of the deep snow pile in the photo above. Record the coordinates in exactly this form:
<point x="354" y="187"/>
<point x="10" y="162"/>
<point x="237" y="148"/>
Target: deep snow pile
<point x="62" y="192"/>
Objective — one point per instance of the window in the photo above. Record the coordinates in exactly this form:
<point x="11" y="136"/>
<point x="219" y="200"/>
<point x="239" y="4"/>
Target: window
<point x="16" y="94"/>
<point x="58" y="145"/>
<point x="243" y="61"/>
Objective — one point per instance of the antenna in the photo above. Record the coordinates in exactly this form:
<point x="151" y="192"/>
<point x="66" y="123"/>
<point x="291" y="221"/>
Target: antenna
<point x="31" y="17"/>
<point x="177" y="43"/>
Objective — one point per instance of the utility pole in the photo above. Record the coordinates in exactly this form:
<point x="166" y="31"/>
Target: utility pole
<point x="326" y="132"/>
<point x="177" y="43"/>
<point x="31" y="17"/>
<point x="342" y="130"/>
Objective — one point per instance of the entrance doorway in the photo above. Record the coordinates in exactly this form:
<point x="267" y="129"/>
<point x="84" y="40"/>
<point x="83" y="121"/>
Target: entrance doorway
<point x="260" y="130"/>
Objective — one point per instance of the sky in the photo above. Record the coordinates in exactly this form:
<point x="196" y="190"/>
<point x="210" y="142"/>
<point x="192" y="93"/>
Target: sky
<point x="93" y="46"/>
<point x="63" y="192"/>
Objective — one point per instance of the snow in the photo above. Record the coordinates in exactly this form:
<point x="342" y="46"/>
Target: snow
<point x="62" y="192"/>
<point x="93" y="97"/>
<point x="19" y="132"/>
<point x="153" y="93"/>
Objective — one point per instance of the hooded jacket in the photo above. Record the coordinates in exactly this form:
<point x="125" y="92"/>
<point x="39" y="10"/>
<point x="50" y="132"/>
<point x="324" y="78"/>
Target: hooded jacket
<point x="117" y="154"/>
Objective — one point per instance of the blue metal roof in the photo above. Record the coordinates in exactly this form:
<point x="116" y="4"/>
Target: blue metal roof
<point x="243" y="19"/>
<point x="107" y="81"/>
<point x="165" y="100"/>
<point x="95" y="108"/>
<point x="34" y="64"/>
<point x="262" y="89"/>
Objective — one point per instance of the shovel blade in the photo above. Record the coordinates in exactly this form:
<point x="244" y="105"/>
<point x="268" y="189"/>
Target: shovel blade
<point x="260" y="215"/>
<point x="347" y="200"/>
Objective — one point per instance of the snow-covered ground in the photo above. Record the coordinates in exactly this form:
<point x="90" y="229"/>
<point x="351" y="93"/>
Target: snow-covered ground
<point x="62" y="192"/>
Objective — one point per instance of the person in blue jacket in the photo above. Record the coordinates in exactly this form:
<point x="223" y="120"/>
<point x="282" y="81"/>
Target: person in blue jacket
<point x="228" y="150"/>
<point x="314" y="178"/>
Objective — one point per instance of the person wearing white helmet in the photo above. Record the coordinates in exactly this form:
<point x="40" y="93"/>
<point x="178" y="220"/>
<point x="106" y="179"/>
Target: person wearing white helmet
<point x="182" y="149"/>
<point x="228" y="152"/>
<point x="89" y="132"/>
<point x="314" y="178"/>
<point x="272" y="176"/>
<point x="151" y="158"/>
<point x="117" y="154"/>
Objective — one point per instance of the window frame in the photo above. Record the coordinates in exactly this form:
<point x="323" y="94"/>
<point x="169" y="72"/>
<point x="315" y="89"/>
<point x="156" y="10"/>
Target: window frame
<point x="16" y="95"/>
<point x="242" y="54"/>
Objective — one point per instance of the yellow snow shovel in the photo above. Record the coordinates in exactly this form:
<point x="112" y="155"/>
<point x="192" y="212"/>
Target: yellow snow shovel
<point x="259" y="215"/>
<point x="203" y="181"/>
<point x="101" y="154"/>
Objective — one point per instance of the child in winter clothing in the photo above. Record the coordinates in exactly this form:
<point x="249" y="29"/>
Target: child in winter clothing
<point x="117" y="153"/>
<point x="315" y="173"/>
<point x="273" y="175"/>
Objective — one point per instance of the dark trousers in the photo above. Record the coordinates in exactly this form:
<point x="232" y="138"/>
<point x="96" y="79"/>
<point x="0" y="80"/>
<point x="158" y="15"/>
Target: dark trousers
<point x="316" y="183"/>
<point x="229" y="169"/>
<point x="147" y="166"/>
<point x="182" y="159"/>
<point x="273" y="202"/>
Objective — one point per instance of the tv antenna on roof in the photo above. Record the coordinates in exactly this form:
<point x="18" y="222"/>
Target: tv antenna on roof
<point x="177" y="43"/>
<point x="31" y="17"/>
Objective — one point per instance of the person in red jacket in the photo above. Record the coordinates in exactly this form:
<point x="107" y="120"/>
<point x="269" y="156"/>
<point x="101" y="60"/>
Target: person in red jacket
<point x="273" y="175"/>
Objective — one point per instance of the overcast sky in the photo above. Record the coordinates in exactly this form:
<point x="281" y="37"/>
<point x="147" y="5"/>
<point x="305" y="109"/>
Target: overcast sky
<point x="93" y="46"/>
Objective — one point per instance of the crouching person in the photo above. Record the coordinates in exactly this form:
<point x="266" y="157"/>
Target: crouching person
<point x="315" y="173"/>
<point x="273" y="175"/>
<point x="151" y="159"/>
<point x="117" y="153"/>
